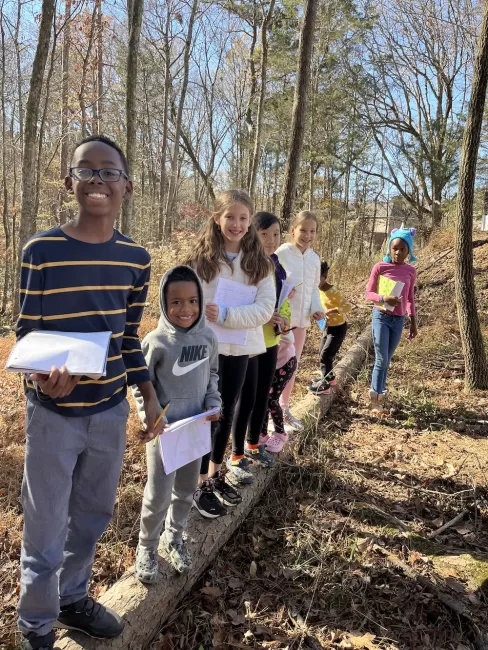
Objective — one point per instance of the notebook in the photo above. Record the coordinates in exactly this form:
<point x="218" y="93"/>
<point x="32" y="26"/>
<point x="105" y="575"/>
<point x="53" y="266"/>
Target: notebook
<point x="83" y="353"/>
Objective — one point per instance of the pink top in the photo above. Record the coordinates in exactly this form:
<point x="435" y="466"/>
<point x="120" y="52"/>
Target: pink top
<point x="405" y="273"/>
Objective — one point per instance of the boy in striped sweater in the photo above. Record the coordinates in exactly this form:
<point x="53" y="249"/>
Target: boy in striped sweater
<point x="84" y="276"/>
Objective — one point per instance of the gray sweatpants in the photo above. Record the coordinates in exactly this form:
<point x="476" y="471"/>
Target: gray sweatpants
<point x="71" y="472"/>
<point x="166" y="498"/>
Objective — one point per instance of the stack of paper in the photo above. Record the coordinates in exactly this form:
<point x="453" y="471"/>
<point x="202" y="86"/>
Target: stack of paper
<point x="388" y="287"/>
<point x="83" y="353"/>
<point x="232" y="294"/>
<point x="185" y="441"/>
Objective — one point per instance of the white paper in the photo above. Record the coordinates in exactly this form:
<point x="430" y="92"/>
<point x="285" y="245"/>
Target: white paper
<point x="83" y="353"/>
<point x="397" y="292"/>
<point x="185" y="441"/>
<point x="232" y="294"/>
<point x="286" y="288"/>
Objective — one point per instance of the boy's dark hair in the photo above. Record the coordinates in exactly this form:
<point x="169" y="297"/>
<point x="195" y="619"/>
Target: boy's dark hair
<point x="180" y="274"/>
<point x="263" y="220"/>
<point x="109" y="143"/>
<point x="324" y="268"/>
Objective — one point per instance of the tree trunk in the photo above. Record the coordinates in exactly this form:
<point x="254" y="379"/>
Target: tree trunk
<point x="84" y="73"/>
<point x="469" y="324"/>
<point x="174" y="171"/>
<point x="99" y="99"/>
<point x="256" y="155"/>
<point x="5" y="215"/>
<point x="135" y="24"/>
<point x="299" y="110"/>
<point x="163" y="177"/>
<point x="27" y="214"/>
<point x="63" y="160"/>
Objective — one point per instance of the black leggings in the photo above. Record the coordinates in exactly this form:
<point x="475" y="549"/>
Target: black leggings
<point x="232" y="371"/>
<point x="330" y="344"/>
<point x="253" y="403"/>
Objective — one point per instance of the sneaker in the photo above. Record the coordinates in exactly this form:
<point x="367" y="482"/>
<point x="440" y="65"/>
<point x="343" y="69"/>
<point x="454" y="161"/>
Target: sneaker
<point x="260" y="456"/>
<point x="207" y="503"/>
<point x="180" y="556"/>
<point x="239" y="472"/>
<point x="293" y="422"/>
<point x="146" y="569"/>
<point x="226" y="494"/>
<point x="91" y="618"/>
<point x="276" y="442"/>
<point x="263" y="439"/>
<point x="320" y="388"/>
<point x="331" y="378"/>
<point x="34" y="642"/>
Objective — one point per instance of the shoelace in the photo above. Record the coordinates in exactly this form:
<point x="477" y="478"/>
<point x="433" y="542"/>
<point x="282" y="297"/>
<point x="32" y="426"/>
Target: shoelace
<point x="90" y="607"/>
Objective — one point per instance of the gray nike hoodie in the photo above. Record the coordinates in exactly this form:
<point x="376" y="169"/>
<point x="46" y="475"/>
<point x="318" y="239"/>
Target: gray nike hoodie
<point x="183" y="363"/>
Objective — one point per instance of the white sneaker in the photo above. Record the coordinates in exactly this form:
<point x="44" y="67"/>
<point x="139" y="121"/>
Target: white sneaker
<point x="292" y="421"/>
<point x="146" y="568"/>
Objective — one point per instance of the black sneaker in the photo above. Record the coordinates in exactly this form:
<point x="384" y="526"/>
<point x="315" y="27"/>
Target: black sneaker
<point x="207" y="503"/>
<point x="33" y="642"/>
<point x="227" y="494"/>
<point x="320" y="388"/>
<point x="91" y="618"/>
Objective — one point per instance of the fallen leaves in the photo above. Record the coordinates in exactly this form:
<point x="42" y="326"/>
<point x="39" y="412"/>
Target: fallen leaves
<point x="359" y="642"/>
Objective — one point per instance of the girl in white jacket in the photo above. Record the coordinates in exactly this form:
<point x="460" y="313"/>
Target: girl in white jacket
<point x="229" y="248"/>
<point x="303" y="264"/>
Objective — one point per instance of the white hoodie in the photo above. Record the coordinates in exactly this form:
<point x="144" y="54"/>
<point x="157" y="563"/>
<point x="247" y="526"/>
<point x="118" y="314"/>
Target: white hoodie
<point x="305" y="271"/>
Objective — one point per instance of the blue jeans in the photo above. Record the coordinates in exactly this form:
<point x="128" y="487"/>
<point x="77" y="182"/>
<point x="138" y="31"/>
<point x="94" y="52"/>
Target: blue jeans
<point x="72" y="468"/>
<point x="387" y="333"/>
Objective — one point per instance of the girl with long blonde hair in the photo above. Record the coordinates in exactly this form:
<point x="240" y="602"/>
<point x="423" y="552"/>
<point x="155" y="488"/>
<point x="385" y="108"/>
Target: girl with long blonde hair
<point x="229" y="248"/>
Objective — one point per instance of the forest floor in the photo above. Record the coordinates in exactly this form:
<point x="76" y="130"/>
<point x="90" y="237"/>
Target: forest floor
<point x="342" y="551"/>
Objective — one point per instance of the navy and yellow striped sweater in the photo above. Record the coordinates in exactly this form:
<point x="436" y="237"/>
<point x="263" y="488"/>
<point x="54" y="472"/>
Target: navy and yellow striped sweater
<point x="71" y="286"/>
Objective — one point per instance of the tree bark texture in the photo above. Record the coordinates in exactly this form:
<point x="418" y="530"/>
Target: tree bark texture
<point x="256" y="154"/>
<point x="28" y="216"/>
<point x="174" y="172"/>
<point x="135" y="24"/>
<point x="471" y="336"/>
<point x="299" y="110"/>
<point x="146" y="609"/>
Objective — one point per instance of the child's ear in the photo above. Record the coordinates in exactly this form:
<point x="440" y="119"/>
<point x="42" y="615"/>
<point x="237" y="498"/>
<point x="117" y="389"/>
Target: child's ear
<point x="129" y="188"/>
<point x="68" y="184"/>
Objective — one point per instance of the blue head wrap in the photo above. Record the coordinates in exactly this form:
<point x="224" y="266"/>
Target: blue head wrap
<point x="407" y="234"/>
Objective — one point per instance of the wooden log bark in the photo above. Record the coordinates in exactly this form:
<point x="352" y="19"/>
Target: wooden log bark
<point x="146" y="608"/>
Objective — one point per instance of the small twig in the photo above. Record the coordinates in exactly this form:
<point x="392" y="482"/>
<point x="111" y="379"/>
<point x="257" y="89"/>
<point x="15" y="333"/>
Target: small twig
<point x="386" y="515"/>
<point x="449" y="524"/>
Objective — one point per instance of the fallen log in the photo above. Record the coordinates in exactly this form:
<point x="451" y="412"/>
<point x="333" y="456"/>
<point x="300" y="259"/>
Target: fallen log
<point x="146" y="608"/>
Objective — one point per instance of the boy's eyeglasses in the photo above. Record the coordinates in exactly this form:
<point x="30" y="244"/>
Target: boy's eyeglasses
<point x="106" y="175"/>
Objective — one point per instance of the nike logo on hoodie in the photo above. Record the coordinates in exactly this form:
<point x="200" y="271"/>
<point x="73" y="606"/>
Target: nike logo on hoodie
<point x="195" y="353"/>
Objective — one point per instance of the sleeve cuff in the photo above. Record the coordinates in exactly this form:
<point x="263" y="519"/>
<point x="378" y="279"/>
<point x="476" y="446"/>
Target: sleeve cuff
<point x="222" y="315"/>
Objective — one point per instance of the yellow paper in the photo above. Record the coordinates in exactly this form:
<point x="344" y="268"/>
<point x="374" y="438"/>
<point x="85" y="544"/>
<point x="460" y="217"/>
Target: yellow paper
<point x="385" y="286"/>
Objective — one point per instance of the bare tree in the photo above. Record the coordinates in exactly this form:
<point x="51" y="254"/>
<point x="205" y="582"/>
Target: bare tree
<point x="27" y="215"/>
<point x="299" y="110"/>
<point x="173" y="179"/>
<point x="414" y="96"/>
<point x="256" y="153"/>
<point x="469" y="324"/>
<point x="135" y="23"/>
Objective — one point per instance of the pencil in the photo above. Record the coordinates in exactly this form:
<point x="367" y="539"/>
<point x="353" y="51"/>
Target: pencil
<point x="298" y="285"/>
<point x="158" y="420"/>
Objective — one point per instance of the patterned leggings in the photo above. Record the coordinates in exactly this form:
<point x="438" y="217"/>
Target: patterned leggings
<point x="281" y="378"/>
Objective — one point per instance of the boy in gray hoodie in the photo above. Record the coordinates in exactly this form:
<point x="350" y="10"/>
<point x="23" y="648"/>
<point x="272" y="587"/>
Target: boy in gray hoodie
<point x="182" y="357"/>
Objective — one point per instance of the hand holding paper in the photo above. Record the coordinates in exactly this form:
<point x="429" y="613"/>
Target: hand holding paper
<point x="391" y="292"/>
<point x="58" y="383"/>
